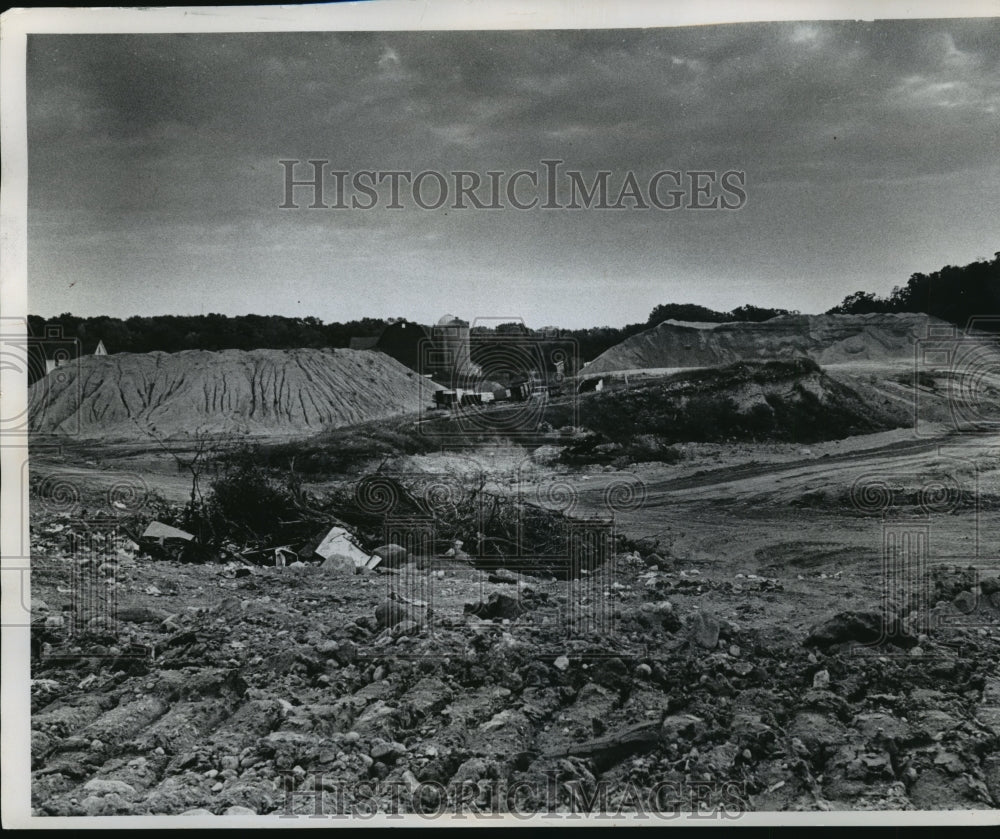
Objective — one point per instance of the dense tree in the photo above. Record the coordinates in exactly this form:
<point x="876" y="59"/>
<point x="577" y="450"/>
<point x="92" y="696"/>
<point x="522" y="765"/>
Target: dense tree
<point x="758" y="314"/>
<point x="701" y="314"/>
<point x="859" y="303"/>
<point x="686" y="311"/>
<point x="173" y="333"/>
<point x="955" y="294"/>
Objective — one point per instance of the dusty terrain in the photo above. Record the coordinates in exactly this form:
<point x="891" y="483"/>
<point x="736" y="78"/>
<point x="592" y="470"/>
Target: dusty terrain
<point x="218" y="693"/>
<point x="134" y="396"/>
<point x="776" y="625"/>
<point x="827" y="339"/>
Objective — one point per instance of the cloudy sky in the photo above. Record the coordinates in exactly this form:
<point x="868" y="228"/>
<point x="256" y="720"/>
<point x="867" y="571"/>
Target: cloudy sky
<point x="870" y="152"/>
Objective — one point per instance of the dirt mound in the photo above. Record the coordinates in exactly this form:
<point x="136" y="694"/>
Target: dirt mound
<point x="794" y="401"/>
<point x="259" y="392"/>
<point x="826" y="339"/>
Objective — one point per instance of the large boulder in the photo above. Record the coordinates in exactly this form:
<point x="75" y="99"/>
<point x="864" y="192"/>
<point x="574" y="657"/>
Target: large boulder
<point x="989" y="585"/>
<point x="339" y="565"/>
<point x="860" y="628"/>
<point x="388" y="613"/>
<point x="704" y="629"/>
<point x="965" y="602"/>
<point x="392" y="555"/>
<point x="499" y="606"/>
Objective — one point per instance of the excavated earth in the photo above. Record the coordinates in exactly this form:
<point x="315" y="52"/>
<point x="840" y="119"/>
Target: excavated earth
<point x="148" y="396"/>
<point x="826" y="339"/>
<point x="730" y="675"/>
<point x="738" y="656"/>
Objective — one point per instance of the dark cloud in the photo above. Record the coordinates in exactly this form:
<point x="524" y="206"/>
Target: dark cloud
<point x="175" y="139"/>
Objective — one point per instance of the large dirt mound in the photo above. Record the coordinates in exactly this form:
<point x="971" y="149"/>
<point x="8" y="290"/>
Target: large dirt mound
<point x="826" y="339"/>
<point x="793" y="401"/>
<point x="260" y="392"/>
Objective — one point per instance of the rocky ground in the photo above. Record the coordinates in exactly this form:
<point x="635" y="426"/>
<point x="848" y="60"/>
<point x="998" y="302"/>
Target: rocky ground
<point x="439" y="685"/>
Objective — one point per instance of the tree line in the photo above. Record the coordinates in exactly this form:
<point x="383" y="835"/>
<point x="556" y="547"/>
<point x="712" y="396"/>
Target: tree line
<point x="953" y="293"/>
<point x="173" y="333"/>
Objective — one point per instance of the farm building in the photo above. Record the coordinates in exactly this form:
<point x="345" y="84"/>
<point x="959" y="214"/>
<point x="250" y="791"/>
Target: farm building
<point x="59" y="357"/>
<point x="441" y="351"/>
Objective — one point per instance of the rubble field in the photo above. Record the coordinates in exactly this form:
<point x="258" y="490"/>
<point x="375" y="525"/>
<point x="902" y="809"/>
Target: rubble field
<point x="739" y="648"/>
<point x="437" y="686"/>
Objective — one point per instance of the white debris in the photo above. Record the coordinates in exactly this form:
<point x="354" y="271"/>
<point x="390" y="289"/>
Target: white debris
<point x="338" y="542"/>
<point x="161" y="531"/>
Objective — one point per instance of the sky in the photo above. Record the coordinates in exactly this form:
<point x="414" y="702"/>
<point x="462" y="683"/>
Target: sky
<point x="870" y="152"/>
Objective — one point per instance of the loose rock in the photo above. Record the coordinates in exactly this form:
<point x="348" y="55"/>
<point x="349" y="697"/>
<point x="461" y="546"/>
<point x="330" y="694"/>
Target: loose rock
<point x="704" y="630"/>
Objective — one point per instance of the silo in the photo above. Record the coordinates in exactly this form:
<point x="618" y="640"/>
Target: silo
<point x="451" y="346"/>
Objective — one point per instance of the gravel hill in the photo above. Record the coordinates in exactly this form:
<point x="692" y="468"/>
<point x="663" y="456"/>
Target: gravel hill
<point x="257" y="392"/>
<point x="826" y="339"/>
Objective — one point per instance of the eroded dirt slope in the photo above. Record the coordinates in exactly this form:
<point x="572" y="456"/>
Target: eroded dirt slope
<point x="826" y="339"/>
<point x="257" y="392"/>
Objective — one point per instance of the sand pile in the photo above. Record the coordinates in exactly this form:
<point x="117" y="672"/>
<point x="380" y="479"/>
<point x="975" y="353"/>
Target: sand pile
<point x="826" y="339"/>
<point x="260" y="392"/>
<point x="793" y="401"/>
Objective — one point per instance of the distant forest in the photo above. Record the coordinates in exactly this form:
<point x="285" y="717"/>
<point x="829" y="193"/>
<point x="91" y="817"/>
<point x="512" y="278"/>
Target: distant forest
<point x="952" y="293"/>
<point x="173" y="333"/>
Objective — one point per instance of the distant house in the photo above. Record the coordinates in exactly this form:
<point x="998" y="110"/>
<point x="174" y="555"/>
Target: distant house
<point x="404" y="340"/>
<point x="401" y="339"/>
<point x="61" y="356"/>
<point x="441" y="350"/>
